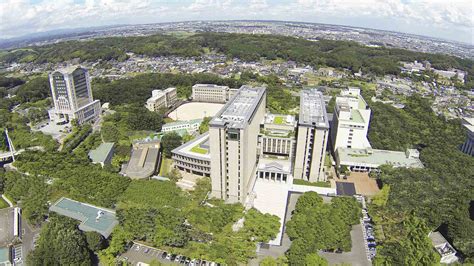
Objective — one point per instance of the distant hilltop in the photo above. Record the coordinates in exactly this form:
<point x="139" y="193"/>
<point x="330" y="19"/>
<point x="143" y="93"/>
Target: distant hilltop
<point x="310" y="31"/>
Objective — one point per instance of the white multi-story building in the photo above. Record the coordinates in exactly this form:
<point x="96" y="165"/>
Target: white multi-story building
<point x="313" y="131"/>
<point x="161" y="99"/>
<point x="350" y="121"/>
<point x="72" y="96"/>
<point x="233" y="135"/>
<point x="212" y="93"/>
<point x="468" y="146"/>
<point x="190" y="126"/>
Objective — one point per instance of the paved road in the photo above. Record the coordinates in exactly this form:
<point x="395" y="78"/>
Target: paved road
<point x="357" y="255"/>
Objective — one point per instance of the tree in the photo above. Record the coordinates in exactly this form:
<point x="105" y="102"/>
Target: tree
<point x="110" y="132"/>
<point x="95" y="241"/>
<point x="60" y="243"/>
<point x="174" y="175"/>
<point x="204" y="127"/>
<point x="169" y="142"/>
<point x="268" y="261"/>
<point x="313" y="259"/>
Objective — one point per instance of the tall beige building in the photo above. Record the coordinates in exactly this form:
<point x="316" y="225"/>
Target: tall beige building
<point x="72" y="95"/>
<point x="233" y="135"/>
<point x="313" y="131"/>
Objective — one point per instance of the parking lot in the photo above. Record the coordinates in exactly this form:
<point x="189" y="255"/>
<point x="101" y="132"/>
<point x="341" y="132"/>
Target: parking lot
<point x="145" y="254"/>
<point x="367" y="231"/>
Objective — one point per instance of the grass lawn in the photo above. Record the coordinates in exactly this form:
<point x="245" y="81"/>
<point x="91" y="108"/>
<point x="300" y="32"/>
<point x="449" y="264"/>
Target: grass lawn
<point x="278" y="120"/>
<point x="198" y="149"/>
<point x="314" y="184"/>
<point x="3" y="203"/>
<point x="165" y="166"/>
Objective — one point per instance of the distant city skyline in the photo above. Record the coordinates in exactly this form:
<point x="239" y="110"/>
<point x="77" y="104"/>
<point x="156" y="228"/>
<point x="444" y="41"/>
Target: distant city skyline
<point x="451" y="20"/>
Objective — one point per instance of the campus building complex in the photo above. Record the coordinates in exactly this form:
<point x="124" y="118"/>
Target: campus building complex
<point x="233" y="134"/>
<point x="212" y="93"/>
<point x="161" y="99"/>
<point x="313" y="132"/>
<point x="72" y="96"/>
<point x="277" y="148"/>
<point x="468" y="146"/>
<point x="350" y="125"/>
<point x="193" y="156"/>
<point x="350" y="121"/>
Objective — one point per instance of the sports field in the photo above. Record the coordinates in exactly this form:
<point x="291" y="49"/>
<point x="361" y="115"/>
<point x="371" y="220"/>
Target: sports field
<point x="195" y="110"/>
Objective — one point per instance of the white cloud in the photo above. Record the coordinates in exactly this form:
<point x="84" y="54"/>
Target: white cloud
<point x="18" y="17"/>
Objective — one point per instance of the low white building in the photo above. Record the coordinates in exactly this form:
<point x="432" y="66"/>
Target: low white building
<point x="190" y="126"/>
<point x="368" y="159"/>
<point x="444" y="249"/>
<point x="161" y="99"/>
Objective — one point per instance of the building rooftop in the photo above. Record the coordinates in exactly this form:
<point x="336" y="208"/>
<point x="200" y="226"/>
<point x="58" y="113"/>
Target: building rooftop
<point x="92" y="218"/>
<point x="442" y="246"/>
<point x="100" y="154"/>
<point x="195" y="148"/>
<point x="142" y="162"/>
<point x="468" y="122"/>
<point x="67" y="69"/>
<point x="313" y="109"/>
<point x="280" y="119"/>
<point x="5" y="256"/>
<point x="214" y="86"/>
<point x="345" y="188"/>
<point x="178" y="123"/>
<point x="375" y="158"/>
<point x="270" y="164"/>
<point x="238" y="111"/>
<point x="356" y="116"/>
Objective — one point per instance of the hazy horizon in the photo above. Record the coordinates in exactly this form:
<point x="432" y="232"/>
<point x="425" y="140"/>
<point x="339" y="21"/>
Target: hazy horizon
<point x="449" y="20"/>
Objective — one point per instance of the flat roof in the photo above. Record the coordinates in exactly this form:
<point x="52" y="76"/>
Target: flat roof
<point x="313" y="109"/>
<point x="356" y="116"/>
<point x="92" y="218"/>
<point x="277" y="119"/>
<point x="6" y="225"/>
<point x="239" y="110"/>
<point x="345" y="188"/>
<point x="5" y="255"/>
<point x="213" y="86"/>
<point x="142" y="162"/>
<point x="186" y="148"/>
<point x="375" y="158"/>
<point x="186" y="122"/>
<point x="100" y="153"/>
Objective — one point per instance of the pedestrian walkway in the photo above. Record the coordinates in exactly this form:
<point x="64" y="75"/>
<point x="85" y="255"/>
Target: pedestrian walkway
<point x="7" y="200"/>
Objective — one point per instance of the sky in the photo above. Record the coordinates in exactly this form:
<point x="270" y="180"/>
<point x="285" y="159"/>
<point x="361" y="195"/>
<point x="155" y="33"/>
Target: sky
<point x="447" y="19"/>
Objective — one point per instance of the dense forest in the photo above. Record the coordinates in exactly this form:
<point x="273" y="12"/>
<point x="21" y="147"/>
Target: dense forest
<point x="441" y="193"/>
<point x="318" y="226"/>
<point x="340" y="54"/>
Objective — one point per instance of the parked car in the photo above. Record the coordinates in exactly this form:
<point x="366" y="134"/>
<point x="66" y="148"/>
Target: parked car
<point x="146" y="250"/>
<point x="137" y="248"/>
<point x="163" y="256"/>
